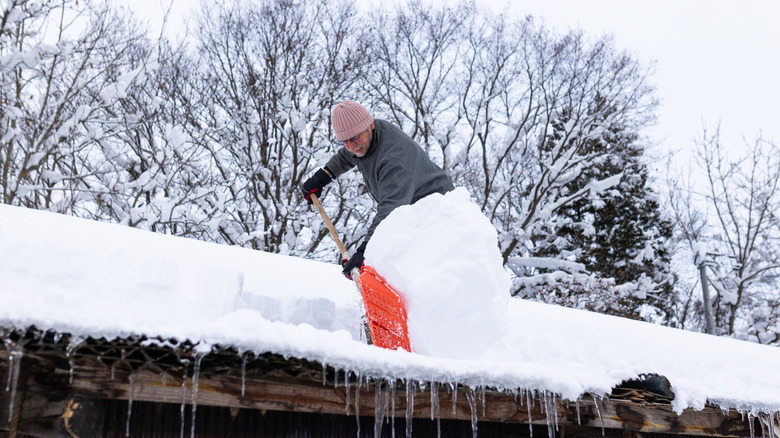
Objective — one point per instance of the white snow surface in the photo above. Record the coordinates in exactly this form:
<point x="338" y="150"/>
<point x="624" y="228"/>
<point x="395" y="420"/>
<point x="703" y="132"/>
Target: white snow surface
<point x="104" y="280"/>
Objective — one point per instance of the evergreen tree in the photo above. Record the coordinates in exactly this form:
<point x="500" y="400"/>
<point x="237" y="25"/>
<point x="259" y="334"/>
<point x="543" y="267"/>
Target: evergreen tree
<point x="621" y="233"/>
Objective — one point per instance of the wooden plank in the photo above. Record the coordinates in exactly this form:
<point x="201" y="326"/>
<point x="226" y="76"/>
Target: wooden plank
<point x="307" y="393"/>
<point x="289" y="394"/>
<point x="286" y="394"/>
<point x="657" y="418"/>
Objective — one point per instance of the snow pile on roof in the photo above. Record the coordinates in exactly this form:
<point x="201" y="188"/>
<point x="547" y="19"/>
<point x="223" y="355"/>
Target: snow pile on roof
<point x="109" y="280"/>
<point x="442" y="254"/>
<point x="103" y="280"/>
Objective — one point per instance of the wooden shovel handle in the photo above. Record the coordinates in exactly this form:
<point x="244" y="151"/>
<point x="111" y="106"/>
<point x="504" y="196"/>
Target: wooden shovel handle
<point x="345" y="255"/>
<point x="331" y="228"/>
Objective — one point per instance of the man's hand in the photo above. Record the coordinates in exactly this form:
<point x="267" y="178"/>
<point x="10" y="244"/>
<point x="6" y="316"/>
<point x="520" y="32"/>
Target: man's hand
<point x="356" y="261"/>
<point x="315" y="184"/>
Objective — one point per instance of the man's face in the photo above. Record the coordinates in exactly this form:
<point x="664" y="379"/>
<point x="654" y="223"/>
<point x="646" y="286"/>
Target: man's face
<point x="358" y="144"/>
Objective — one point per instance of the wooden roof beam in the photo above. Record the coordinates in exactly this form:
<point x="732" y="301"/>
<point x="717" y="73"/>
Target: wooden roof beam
<point x="285" y="393"/>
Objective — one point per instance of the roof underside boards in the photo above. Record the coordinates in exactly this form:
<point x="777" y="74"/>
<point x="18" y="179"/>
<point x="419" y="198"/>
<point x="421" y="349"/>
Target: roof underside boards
<point x="52" y="371"/>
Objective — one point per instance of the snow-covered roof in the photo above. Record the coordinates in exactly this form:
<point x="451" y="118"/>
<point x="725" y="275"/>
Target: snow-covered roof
<point x="103" y="280"/>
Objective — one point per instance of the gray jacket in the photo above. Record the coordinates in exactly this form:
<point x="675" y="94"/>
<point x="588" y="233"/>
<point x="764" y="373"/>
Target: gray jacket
<point x="396" y="169"/>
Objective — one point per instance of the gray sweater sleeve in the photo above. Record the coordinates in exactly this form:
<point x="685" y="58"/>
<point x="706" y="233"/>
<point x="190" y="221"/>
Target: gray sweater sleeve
<point x="341" y="162"/>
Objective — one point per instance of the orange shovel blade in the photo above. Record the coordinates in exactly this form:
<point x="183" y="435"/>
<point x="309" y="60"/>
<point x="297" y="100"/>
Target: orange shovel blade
<point x="385" y="311"/>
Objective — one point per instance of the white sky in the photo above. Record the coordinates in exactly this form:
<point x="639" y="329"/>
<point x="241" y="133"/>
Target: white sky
<point x="718" y="61"/>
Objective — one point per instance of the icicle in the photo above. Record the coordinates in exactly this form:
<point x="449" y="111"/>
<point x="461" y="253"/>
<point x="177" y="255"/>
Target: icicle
<point x="598" y="411"/>
<point x="530" y="423"/>
<point x="454" y="398"/>
<point x="434" y="400"/>
<point x="410" y="389"/>
<point x="183" y="401"/>
<point x="435" y="407"/>
<point x="482" y="399"/>
<point x="243" y="375"/>
<point x="750" y="424"/>
<point x="11" y="347"/>
<point x="380" y="406"/>
<point x="324" y="374"/>
<point x="546" y="410"/>
<point x="577" y="404"/>
<point x="14" y="366"/>
<point x="378" y="410"/>
<point x="551" y="414"/>
<point x="10" y="372"/>
<point x="346" y="389"/>
<point x="75" y="342"/>
<point x="761" y="422"/>
<point x="471" y="397"/>
<point x="392" y="407"/>
<point x="130" y="403"/>
<point x="357" y="403"/>
<point x="195" y="377"/>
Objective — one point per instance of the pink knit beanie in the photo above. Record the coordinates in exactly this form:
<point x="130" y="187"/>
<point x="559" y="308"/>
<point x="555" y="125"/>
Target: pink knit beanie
<point x="349" y="119"/>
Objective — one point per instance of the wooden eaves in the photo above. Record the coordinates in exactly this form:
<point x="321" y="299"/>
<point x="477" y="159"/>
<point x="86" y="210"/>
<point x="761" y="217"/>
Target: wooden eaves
<point x="58" y="377"/>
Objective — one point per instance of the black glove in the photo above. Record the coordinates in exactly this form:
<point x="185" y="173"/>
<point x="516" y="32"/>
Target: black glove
<point x="356" y="261"/>
<point x="315" y="184"/>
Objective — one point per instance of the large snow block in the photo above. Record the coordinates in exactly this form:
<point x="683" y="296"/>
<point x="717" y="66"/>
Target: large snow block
<point x="442" y="255"/>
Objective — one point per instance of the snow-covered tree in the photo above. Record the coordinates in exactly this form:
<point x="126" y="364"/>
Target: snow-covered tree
<point x="64" y="65"/>
<point x="153" y="175"/>
<point x="268" y="74"/>
<point x="416" y="52"/>
<point x="535" y="106"/>
<point x="731" y="227"/>
<point x="620" y="234"/>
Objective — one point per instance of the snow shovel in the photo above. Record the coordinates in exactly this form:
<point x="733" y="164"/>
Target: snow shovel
<point x="385" y="308"/>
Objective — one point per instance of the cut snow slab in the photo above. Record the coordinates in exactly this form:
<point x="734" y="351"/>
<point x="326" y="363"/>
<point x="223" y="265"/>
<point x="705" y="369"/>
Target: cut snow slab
<point x="103" y="280"/>
<point x="442" y="254"/>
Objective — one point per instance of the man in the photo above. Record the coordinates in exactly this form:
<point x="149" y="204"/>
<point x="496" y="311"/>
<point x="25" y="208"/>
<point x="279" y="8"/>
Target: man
<point x="396" y="169"/>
